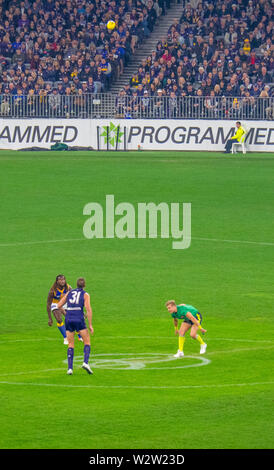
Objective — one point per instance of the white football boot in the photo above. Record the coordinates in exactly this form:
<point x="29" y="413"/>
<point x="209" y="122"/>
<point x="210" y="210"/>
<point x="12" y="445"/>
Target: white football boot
<point x="87" y="368"/>
<point x="203" y="348"/>
<point x="179" y="354"/>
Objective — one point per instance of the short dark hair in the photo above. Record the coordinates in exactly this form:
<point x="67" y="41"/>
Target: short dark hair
<point x="238" y="122"/>
<point x="81" y="282"/>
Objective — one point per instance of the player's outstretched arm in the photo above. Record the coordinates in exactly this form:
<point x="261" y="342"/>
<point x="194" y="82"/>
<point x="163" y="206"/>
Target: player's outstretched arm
<point x="175" y="321"/>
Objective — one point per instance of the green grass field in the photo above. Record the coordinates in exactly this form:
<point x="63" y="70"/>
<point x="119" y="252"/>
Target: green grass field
<point x="139" y="396"/>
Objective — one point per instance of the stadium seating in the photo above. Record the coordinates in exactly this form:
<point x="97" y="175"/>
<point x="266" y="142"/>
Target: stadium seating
<point x="221" y="49"/>
<point x="45" y="43"/>
<point x="55" y="53"/>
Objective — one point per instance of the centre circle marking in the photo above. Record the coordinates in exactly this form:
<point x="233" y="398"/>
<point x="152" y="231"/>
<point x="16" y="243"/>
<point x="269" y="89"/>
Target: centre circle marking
<point x="142" y="361"/>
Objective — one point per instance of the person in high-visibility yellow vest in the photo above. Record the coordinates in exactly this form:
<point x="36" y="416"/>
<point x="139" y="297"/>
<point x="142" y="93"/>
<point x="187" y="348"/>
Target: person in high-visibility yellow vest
<point x="239" y="134"/>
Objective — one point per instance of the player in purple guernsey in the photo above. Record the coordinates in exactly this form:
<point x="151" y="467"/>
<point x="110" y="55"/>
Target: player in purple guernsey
<point x="76" y="300"/>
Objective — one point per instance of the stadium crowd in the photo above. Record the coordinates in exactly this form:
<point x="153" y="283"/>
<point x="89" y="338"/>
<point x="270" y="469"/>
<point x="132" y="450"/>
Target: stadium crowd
<point x="60" y="49"/>
<point x="221" y="50"/>
<point x="63" y="47"/>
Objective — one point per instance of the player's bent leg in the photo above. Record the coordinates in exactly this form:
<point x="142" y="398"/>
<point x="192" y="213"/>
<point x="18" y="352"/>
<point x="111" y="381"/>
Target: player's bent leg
<point x="183" y="329"/>
<point x="60" y="324"/>
<point x="194" y="335"/>
<point x="70" y="353"/>
<point x="70" y="336"/>
<point x="86" y="338"/>
<point x="79" y="336"/>
<point x="58" y="315"/>
<point x="193" y="331"/>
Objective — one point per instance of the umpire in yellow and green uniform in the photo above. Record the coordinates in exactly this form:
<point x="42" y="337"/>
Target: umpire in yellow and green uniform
<point x="237" y="137"/>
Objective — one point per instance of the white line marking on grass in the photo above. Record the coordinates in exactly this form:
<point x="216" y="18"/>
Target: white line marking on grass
<point x="67" y="240"/>
<point x="171" y="338"/>
<point x="32" y="372"/>
<point x="233" y="241"/>
<point x="208" y="339"/>
<point x="138" y="387"/>
<point x="42" y="242"/>
<point x="243" y="340"/>
<point x="129" y="361"/>
<point x="125" y="362"/>
<point x="139" y="362"/>
<point x="27" y="340"/>
<point x="239" y="350"/>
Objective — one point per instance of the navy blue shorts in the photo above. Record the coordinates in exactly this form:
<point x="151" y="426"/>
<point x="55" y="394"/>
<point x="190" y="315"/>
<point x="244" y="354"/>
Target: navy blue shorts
<point x="198" y="317"/>
<point x="76" y="325"/>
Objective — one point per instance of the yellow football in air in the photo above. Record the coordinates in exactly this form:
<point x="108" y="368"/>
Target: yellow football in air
<point x="111" y="24"/>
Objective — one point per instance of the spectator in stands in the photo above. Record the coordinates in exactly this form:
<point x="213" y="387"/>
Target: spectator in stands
<point x="224" y="39"/>
<point x="270" y="111"/>
<point x="135" y="104"/>
<point x="31" y="110"/>
<point x="159" y="105"/>
<point x="264" y="75"/>
<point x="262" y="104"/>
<point x="121" y="104"/>
<point x="211" y="105"/>
<point x="19" y="101"/>
<point x="55" y="103"/>
<point x="5" y="102"/>
<point x="146" y="105"/>
<point x="68" y="42"/>
<point x="76" y="31"/>
<point x="172" y="105"/>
